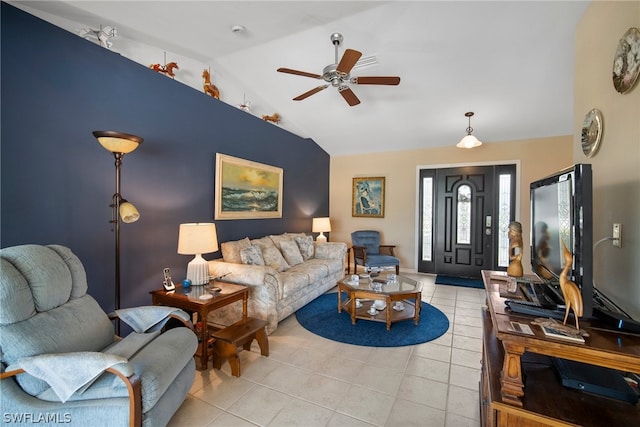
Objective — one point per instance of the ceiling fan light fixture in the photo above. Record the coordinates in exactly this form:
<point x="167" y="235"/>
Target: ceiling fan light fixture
<point x="469" y="141"/>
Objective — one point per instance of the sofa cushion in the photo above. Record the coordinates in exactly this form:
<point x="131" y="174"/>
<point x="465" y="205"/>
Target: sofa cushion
<point x="305" y="244"/>
<point x="291" y="252"/>
<point x="252" y="255"/>
<point x="231" y="250"/>
<point x="263" y="242"/>
<point x="278" y="238"/>
<point x="273" y="258"/>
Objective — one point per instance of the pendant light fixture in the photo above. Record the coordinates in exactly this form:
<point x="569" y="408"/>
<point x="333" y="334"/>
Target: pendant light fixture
<point x="469" y="141"/>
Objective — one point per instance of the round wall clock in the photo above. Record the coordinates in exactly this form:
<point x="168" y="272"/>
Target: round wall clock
<point x="591" y="132"/>
<point x="626" y="63"/>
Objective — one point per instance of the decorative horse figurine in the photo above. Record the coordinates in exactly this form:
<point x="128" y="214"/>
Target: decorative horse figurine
<point x="275" y="118"/>
<point x="570" y="291"/>
<point x="165" y="69"/>
<point x="209" y="88"/>
<point x="102" y="35"/>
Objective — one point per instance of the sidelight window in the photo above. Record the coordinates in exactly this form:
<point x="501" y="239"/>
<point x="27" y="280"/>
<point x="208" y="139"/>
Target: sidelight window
<point x="427" y="218"/>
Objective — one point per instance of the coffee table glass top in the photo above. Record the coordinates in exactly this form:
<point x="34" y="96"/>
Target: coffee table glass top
<point x="384" y="284"/>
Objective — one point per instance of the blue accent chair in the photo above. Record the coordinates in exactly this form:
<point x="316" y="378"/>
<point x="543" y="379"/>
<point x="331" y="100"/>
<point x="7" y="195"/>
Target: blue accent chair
<point x="369" y="253"/>
<point x="61" y="361"/>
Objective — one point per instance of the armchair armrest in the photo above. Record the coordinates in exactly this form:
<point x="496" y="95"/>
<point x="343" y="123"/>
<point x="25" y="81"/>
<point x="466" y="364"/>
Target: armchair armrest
<point x="359" y="252"/>
<point x="122" y="371"/>
<point x="388" y="250"/>
<point x="151" y="318"/>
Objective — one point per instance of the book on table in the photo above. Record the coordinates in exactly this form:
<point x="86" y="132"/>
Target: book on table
<point x="560" y="334"/>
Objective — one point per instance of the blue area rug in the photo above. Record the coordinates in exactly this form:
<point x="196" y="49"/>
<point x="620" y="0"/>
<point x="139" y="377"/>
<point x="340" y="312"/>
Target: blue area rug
<point x="459" y="281"/>
<point x="321" y="317"/>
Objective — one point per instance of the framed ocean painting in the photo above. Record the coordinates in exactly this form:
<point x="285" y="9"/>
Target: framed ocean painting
<point x="246" y="189"/>
<point x="368" y="197"/>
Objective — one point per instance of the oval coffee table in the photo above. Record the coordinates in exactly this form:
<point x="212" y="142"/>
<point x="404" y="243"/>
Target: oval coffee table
<point x="368" y="290"/>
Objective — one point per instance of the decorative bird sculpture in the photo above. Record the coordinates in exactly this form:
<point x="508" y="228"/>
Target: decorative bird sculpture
<point x="570" y="291"/>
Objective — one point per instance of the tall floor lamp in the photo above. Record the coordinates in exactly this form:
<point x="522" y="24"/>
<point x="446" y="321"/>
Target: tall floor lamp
<point x="119" y="144"/>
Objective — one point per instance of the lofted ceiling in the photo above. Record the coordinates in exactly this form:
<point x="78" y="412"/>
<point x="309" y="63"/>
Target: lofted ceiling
<point x="510" y="62"/>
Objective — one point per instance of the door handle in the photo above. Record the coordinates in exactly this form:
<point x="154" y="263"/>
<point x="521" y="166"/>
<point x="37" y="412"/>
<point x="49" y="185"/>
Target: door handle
<point x="487" y="225"/>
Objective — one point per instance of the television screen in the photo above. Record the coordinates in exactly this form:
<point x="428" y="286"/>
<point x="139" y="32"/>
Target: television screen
<point x="552" y="225"/>
<point x="561" y="212"/>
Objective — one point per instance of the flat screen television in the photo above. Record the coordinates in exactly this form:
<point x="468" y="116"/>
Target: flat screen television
<point x="561" y="210"/>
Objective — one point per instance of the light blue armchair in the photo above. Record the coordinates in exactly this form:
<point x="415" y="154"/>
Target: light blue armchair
<point x="61" y="361"/>
<point x="369" y="253"/>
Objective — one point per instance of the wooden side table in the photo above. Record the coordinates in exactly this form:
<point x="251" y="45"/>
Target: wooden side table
<point x="191" y="300"/>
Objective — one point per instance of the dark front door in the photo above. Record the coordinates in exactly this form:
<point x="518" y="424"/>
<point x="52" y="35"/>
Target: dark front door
<point x="463" y="241"/>
<point x="464" y="212"/>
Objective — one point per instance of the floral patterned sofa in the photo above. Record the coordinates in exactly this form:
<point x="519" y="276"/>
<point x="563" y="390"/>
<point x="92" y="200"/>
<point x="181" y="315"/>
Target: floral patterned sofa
<point x="284" y="272"/>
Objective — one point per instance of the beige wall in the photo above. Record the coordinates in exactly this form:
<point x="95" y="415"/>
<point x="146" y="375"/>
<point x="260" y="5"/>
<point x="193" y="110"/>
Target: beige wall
<point x="616" y="167"/>
<point x="536" y="158"/>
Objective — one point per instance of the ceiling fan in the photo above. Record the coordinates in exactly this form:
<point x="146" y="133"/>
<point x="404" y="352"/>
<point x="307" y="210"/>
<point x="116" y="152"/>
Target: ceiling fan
<point x="337" y="75"/>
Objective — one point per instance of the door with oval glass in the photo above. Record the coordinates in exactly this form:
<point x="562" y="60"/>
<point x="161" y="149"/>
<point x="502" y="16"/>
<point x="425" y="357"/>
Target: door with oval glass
<point x="465" y="215"/>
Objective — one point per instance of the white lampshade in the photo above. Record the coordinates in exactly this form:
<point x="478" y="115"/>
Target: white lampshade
<point x="469" y="141"/>
<point x="320" y="225"/>
<point x="197" y="239"/>
<point x="128" y="212"/>
<point x="117" y="142"/>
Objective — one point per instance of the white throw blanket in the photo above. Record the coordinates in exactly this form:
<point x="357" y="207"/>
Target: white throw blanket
<point x="146" y="318"/>
<point x="67" y="373"/>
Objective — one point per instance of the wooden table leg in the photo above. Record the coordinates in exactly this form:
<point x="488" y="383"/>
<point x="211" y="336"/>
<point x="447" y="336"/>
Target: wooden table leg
<point x="204" y="354"/>
<point x="388" y="301"/>
<point x="511" y="377"/>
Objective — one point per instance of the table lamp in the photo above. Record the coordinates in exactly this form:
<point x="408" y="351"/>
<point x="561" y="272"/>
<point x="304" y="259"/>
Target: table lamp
<point x="320" y="225"/>
<point x="197" y="239"/>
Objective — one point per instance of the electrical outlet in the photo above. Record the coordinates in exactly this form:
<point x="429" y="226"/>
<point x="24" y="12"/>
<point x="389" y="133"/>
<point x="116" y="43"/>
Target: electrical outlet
<point x="617" y="235"/>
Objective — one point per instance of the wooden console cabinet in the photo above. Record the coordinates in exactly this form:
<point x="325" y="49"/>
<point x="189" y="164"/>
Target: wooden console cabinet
<point x="511" y="396"/>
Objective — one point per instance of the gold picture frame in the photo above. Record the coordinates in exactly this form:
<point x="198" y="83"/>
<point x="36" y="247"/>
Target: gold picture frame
<point x="246" y="189"/>
<point x="367" y="198"/>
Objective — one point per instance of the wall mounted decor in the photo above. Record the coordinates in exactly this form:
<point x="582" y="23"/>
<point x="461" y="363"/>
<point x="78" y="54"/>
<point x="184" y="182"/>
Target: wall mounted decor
<point x="368" y="197"/>
<point x="626" y="63"/>
<point x="592" y="128"/>
<point x="246" y="189"/>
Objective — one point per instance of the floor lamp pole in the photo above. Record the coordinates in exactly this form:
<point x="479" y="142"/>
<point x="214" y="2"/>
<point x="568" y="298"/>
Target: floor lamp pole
<point x="115" y="217"/>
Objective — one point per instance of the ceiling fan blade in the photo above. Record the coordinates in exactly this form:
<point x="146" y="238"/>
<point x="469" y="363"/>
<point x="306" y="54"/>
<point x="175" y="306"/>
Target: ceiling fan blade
<point x="299" y="73"/>
<point x="349" y="59"/>
<point x="378" y="80"/>
<point x="348" y="95"/>
<point x="310" y="92"/>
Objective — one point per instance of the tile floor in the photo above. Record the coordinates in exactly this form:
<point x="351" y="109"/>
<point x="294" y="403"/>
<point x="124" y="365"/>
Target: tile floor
<point x="310" y="381"/>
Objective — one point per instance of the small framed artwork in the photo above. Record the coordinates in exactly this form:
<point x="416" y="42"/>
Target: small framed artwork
<point x="368" y="197"/>
<point x="246" y="189"/>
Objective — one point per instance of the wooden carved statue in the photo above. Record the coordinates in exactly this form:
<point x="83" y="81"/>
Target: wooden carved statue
<point x="570" y="291"/>
<point x="165" y="69"/>
<point x="515" y="250"/>
<point x="275" y="118"/>
<point x="209" y="88"/>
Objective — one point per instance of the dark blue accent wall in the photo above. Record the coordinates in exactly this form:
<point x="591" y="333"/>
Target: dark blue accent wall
<point x="57" y="181"/>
